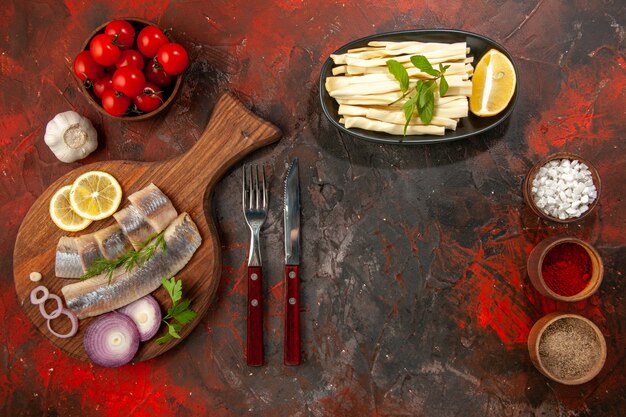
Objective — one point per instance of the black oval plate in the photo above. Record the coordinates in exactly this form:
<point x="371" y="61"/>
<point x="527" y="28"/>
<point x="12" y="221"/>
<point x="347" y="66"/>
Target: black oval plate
<point x="469" y="126"/>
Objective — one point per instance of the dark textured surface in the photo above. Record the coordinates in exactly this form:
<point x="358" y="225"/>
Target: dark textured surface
<point x="416" y="297"/>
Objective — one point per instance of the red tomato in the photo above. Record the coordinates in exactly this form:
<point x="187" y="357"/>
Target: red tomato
<point x="101" y="84"/>
<point x="123" y="33"/>
<point x="150" y="39"/>
<point x="155" y="74"/>
<point x="103" y="51"/>
<point x="86" y="68"/>
<point x="114" y="103"/>
<point x="130" y="57"/>
<point x="173" y="58"/>
<point x="150" y="99"/>
<point x="129" y="80"/>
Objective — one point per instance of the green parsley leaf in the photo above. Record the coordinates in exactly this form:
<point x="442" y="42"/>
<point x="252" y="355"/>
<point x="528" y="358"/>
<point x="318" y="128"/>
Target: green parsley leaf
<point x="173" y="329"/>
<point x="174" y="289"/>
<point x="399" y="72"/>
<point x="177" y="308"/>
<point x="178" y="314"/>
<point x="186" y="316"/>
<point x="163" y="339"/>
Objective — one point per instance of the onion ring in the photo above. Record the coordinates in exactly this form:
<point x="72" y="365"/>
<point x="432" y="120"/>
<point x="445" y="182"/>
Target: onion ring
<point x="73" y="320"/>
<point x="33" y="295"/>
<point x="56" y="312"/>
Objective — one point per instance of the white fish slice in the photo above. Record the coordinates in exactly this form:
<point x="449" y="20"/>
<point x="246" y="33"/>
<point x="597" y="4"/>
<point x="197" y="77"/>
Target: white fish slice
<point x="67" y="261"/>
<point x="155" y="206"/>
<point x="134" y="225"/>
<point x="97" y="295"/>
<point x="112" y="241"/>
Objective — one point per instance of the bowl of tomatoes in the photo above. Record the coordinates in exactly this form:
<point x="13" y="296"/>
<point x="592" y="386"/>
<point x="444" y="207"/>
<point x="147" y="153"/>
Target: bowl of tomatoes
<point x="130" y="69"/>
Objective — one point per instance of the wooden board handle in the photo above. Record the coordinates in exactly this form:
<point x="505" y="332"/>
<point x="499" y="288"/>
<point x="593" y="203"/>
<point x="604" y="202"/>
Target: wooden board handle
<point x="233" y="132"/>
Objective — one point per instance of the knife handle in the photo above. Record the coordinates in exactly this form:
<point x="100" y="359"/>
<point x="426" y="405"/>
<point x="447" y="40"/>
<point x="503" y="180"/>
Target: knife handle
<point x="292" y="315"/>
<point x="254" y="337"/>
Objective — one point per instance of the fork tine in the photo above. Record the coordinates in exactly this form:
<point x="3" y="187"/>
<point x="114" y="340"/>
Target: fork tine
<point x="250" y="189"/>
<point x="243" y="188"/>
<point x="264" y="188"/>
<point x="256" y="186"/>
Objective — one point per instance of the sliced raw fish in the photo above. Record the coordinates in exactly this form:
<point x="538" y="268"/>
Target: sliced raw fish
<point x="97" y="295"/>
<point x="155" y="206"/>
<point x="88" y="250"/>
<point x="112" y="241"/>
<point x="67" y="262"/>
<point x="134" y="225"/>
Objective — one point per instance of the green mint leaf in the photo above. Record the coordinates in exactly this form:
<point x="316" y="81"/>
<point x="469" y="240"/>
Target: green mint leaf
<point x="426" y="112"/>
<point x="421" y="62"/>
<point x="185" y="317"/>
<point x="423" y="94"/>
<point x="443" y="86"/>
<point x="399" y="72"/>
<point x="408" y="107"/>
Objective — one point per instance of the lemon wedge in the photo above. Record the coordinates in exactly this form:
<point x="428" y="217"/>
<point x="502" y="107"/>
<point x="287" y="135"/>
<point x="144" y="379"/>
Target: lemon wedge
<point x="493" y="84"/>
<point x="95" y="195"/>
<point x="62" y="214"/>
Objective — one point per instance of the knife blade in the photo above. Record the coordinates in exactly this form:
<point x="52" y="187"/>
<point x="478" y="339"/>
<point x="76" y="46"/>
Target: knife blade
<point x="291" y="210"/>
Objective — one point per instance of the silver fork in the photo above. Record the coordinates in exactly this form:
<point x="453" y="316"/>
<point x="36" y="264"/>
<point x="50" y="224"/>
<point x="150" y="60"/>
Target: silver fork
<point x="255" y="203"/>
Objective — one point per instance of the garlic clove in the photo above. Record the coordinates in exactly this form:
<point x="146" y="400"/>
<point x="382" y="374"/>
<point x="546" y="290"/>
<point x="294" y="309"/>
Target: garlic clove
<point x="70" y="136"/>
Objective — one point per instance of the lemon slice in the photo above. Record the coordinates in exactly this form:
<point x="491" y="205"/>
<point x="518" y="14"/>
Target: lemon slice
<point x="493" y="84"/>
<point x="62" y="214"/>
<point x="95" y="195"/>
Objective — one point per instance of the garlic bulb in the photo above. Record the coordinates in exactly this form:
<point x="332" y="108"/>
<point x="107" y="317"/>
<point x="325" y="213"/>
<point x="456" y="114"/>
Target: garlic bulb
<point x="70" y="136"/>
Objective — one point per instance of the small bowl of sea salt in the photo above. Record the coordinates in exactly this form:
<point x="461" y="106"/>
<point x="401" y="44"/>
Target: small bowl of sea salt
<point x="562" y="188"/>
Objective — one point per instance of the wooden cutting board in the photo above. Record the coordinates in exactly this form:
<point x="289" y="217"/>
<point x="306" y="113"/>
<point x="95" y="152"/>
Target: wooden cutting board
<point x="188" y="180"/>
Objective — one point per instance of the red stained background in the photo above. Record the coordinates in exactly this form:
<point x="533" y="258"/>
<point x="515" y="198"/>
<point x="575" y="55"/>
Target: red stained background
<point x="417" y="301"/>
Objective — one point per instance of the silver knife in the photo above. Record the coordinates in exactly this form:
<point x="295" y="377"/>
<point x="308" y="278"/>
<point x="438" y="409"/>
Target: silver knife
<point x="292" y="265"/>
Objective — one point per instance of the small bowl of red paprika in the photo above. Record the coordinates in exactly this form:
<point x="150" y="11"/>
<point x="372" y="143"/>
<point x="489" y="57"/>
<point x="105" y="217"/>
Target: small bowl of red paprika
<point x="565" y="268"/>
<point x="121" y="72"/>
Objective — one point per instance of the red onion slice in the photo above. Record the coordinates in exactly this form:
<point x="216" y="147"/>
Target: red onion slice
<point x="111" y="340"/>
<point x="73" y="320"/>
<point x="56" y="312"/>
<point x="146" y="314"/>
<point x="38" y="300"/>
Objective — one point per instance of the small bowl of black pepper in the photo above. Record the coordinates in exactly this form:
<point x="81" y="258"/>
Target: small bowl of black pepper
<point x="567" y="348"/>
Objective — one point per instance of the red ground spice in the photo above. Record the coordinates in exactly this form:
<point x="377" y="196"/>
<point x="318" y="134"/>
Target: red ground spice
<point x="566" y="269"/>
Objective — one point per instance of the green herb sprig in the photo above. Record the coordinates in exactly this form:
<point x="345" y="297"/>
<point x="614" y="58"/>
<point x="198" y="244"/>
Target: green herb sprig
<point x="129" y="260"/>
<point x="179" y="312"/>
<point x="424" y="100"/>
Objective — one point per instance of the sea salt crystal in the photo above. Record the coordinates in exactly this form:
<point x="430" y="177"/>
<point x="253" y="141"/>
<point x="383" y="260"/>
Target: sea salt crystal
<point x="563" y="188"/>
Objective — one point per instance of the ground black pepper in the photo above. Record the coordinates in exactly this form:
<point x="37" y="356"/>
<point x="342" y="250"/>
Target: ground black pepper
<point x="569" y="348"/>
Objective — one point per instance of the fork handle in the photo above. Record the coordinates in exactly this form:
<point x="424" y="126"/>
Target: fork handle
<point x="254" y="337"/>
<point x="292" y="315"/>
